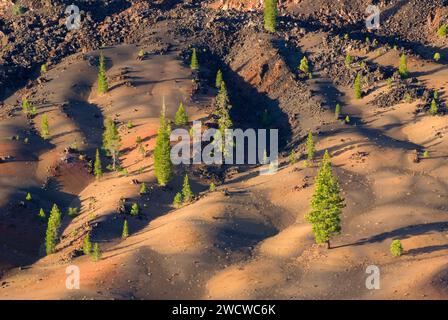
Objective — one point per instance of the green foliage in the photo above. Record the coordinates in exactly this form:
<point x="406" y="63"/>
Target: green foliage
<point x="96" y="254"/>
<point x="187" y="194"/>
<point x="141" y="53"/>
<point x="130" y="125"/>
<point x="41" y="214"/>
<point x="44" y="128"/>
<point x="389" y="82"/>
<point x="348" y="60"/>
<point x="218" y="79"/>
<point x="396" y="248"/>
<point x="135" y="210"/>
<point x="433" y="109"/>
<point x="125" y="232"/>
<point x="103" y="86"/>
<point x="28" y="197"/>
<point x="426" y="154"/>
<point x="326" y="204"/>
<point x="310" y="147"/>
<point x="162" y="160"/>
<point x="181" y="117"/>
<point x="18" y="10"/>
<point x="97" y="168"/>
<point x="347" y="119"/>
<point x="367" y="41"/>
<point x="222" y="102"/>
<point x="346" y="36"/>
<point x="87" y="245"/>
<point x="292" y="157"/>
<point x="441" y="32"/>
<point x="437" y="56"/>
<point x="51" y="236"/>
<point x="43" y="69"/>
<point x="212" y="187"/>
<point x="270" y="15"/>
<point x="26" y="106"/>
<point x="403" y="67"/>
<point x="73" y="212"/>
<point x="337" y="111"/>
<point x="304" y="65"/>
<point x="375" y="43"/>
<point x="143" y="189"/>
<point x="357" y="86"/>
<point x="112" y="141"/>
<point x="194" y="64"/>
<point x="177" y="201"/>
<point x="436" y="94"/>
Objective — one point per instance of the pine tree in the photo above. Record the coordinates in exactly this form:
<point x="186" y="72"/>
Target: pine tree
<point x="357" y="87"/>
<point x="194" y="64"/>
<point x="212" y="187"/>
<point x="436" y="94"/>
<point x="218" y="79"/>
<point x="44" y="128"/>
<point x="437" y="56"/>
<point x="304" y="65"/>
<point x="347" y="119"/>
<point x="162" y="160"/>
<point x="26" y="107"/>
<point x="326" y="204"/>
<point x="43" y="69"/>
<point x="403" y="68"/>
<point x="292" y="157"/>
<point x="181" y="117"/>
<point x="41" y="214"/>
<point x="433" y="109"/>
<point x="143" y="189"/>
<point x="97" y="170"/>
<point x="125" y="232"/>
<point x="223" y="108"/>
<point x="87" y="245"/>
<point x="96" y="254"/>
<point x="337" y="111"/>
<point x="187" y="194"/>
<point x="426" y="154"/>
<point x="112" y="141"/>
<point x="441" y="32"/>
<point x="396" y="248"/>
<point x="177" y="201"/>
<point x="28" y="197"/>
<point x="310" y="146"/>
<point x="270" y="15"/>
<point x="135" y="210"/>
<point x="103" y="86"/>
<point x="348" y="60"/>
<point x="51" y="236"/>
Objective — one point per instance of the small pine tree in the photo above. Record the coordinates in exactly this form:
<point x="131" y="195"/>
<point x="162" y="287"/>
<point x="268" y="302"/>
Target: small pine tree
<point x="347" y="119"/>
<point x="177" y="201"/>
<point x="97" y="170"/>
<point x="310" y="147"/>
<point x="433" y="109"/>
<point x="181" y="117"/>
<point x="436" y="94"/>
<point x="187" y="194"/>
<point x="218" y="79"/>
<point x="194" y="64"/>
<point x="441" y="32"/>
<point x="125" y="232"/>
<point x="292" y="157"/>
<point x="41" y="214"/>
<point x="44" y="128"/>
<point x="103" y="86"/>
<point x="143" y="189"/>
<point x="112" y="141"/>
<point x="130" y="125"/>
<point x="26" y="106"/>
<point x="326" y="204"/>
<point x="212" y="187"/>
<point x="337" y="111"/>
<point x="304" y="65"/>
<point x="87" y="245"/>
<point x="51" y="236"/>
<point x="162" y="159"/>
<point x="437" y="56"/>
<point x="396" y="248"/>
<point x="357" y="86"/>
<point x="43" y="69"/>
<point x="270" y="15"/>
<point x="426" y="154"/>
<point x="348" y="60"/>
<point x="403" y="67"/>
<point x="96" y="254"/>
<point x="135" y="210"/>
<point x="28" y="197"/>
